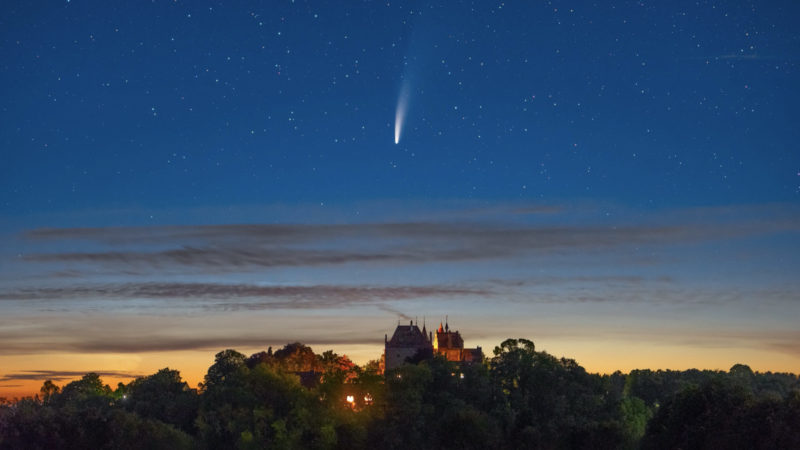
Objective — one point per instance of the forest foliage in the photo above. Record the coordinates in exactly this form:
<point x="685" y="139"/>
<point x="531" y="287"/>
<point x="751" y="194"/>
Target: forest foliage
<point x="518" y="398"/>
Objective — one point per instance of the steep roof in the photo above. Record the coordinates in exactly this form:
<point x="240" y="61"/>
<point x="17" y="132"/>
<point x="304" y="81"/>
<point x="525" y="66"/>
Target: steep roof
<point x="408" y="336"/>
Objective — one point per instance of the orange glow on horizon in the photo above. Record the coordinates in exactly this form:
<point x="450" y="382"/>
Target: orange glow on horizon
<point x="597" y="356"/>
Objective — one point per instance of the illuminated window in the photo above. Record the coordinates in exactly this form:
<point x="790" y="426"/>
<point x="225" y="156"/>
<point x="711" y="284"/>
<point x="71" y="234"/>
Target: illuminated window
<point x="350" y="399"/>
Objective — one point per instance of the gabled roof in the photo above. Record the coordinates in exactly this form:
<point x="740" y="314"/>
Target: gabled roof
<point x="408" y="336"/>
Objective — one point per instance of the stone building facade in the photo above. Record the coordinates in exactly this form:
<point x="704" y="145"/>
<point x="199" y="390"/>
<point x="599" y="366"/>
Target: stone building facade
<point x="410" y="343"/>
<point x="450" y="344"/>
<point x="407" y="342"/>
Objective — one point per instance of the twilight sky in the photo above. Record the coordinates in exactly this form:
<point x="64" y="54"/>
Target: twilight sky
<point x="619" y="182"/>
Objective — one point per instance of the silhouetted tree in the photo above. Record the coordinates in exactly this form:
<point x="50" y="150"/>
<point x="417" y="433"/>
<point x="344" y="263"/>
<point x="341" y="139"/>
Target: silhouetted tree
<point x="708" y="416"/>
<point x="520" y="398"/>
<point x="296" y="357"/>
<point x="226" y="405"/>
<point x="84" y="415"/>
<point x="259" y="407"/>
<point x="549" y="402"/>
<point x="48" y="390"/>
<point x="163" y="396"/>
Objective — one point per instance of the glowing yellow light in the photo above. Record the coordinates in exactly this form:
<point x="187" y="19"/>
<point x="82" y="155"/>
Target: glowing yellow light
<point x="350" y="399"/>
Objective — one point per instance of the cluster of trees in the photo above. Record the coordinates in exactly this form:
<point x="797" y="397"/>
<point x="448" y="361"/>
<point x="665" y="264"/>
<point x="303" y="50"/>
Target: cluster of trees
<point x="519" y="398"/>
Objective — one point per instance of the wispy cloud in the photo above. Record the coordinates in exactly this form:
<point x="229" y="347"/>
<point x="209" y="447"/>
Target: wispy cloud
<point x="273" y="296"/>
<point x="242" y="247"/>
<point x="118" y="337"/>
<point x="530" y="260"/>
<point x="61" y="375"/>
<point x="584" y="279"/>
<point x="781" y="340"/>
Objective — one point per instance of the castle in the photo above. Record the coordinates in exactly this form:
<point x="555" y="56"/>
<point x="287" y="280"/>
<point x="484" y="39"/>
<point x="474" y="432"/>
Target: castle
<point x="409" y="343"/>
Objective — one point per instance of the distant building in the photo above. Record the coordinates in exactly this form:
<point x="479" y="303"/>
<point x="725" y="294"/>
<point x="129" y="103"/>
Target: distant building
<point x="409" y="342"/>
<point x="450" y="344"/>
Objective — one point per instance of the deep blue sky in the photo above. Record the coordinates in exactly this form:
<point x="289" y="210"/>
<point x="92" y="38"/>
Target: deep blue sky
<point x="115" y="104"/>
<point x="593" y="176"/>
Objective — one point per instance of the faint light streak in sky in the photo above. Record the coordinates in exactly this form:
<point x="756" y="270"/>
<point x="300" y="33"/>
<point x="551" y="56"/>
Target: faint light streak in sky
<point x="402" y="109"/>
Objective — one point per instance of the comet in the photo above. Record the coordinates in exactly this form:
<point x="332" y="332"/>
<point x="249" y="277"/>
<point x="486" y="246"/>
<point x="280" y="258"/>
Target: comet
<point x="400" y="112"/>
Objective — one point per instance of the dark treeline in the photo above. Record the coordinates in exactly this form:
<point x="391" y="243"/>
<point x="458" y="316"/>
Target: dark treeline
<point x="519" y="398"/>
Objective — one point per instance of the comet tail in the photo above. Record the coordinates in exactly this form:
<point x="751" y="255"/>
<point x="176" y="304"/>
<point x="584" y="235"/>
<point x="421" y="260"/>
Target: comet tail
<point x="400" y="113"/>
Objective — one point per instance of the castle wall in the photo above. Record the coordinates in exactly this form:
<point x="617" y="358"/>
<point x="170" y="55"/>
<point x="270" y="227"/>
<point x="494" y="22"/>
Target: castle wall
<point x="396" y="357"/>
<point x="451" y="354"/>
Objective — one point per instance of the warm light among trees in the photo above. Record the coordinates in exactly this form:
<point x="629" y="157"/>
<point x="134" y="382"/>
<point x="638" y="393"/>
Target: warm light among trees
<point x="518" y="398"/>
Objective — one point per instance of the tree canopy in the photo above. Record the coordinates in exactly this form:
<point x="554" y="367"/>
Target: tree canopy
<point x="518" y="398"/>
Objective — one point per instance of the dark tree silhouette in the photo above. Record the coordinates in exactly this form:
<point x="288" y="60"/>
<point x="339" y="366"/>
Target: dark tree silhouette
<point x="519" y="398"/>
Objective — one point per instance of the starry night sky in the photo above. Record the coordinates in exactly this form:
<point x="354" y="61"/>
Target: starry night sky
<point x="605" y="179"/>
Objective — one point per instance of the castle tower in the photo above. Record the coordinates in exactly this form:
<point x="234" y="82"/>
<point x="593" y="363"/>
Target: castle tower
<point x="407" y="342"/>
